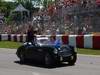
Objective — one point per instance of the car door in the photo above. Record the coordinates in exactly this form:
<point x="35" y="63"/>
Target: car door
<point x="40" y="53"/>
<point x="31" y="52"/>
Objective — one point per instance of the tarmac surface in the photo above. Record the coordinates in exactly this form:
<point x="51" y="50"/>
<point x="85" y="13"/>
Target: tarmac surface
<point x="9" y="65"/>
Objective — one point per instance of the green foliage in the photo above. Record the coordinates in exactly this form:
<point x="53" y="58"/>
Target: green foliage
<point x="27" y="4"/>
<point x="6" y="7"/>
<point x="8" y="20"/>
<point x="47" y="2"/>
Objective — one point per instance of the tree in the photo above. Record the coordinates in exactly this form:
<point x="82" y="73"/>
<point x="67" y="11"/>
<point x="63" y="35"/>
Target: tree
<point x="27" y="4"/>
<point x="2" y="7"/>
<point x="6" y="7"/>
<point x="45" y="3"/>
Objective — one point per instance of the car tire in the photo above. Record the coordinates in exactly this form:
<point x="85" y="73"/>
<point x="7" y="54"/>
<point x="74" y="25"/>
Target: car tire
<point x="73" y="60"/>
<point x="48" y="60"/>
<point x="22" y="58"/>
<point x="20" y="54"/>
<point x="19" y="51"/>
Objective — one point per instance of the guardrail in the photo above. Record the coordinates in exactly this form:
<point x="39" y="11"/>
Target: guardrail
<point x="81" y="41"/>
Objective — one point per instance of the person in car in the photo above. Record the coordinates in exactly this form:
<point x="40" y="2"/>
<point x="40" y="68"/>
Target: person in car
<point x="52" y="39"/>
<point x="55" y="40"/>
<point x="31" y="35"/>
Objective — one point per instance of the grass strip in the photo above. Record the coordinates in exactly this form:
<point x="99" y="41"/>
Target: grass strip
<point x="9" y="44"/>
<point x="15" y="45"/>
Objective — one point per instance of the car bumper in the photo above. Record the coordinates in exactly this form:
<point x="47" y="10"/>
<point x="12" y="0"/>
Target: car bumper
<point x="66" y="58"/>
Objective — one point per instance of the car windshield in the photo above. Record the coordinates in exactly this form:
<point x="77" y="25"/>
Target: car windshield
<point x="43" y="41"/>
<point x="46" y="41"/>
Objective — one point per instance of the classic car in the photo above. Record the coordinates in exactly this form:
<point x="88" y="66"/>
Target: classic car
<point x="47" y="53"/>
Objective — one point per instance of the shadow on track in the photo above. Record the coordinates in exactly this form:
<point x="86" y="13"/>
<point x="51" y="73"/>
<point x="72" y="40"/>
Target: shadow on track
<point x="37" y="64"/>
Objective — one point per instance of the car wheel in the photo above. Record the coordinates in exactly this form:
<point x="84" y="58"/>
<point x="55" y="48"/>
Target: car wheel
<point x="73" y="59"/>
<point x="22" y="58"/>
<point x="19" y="51"/>
<point x="48" y="60"/>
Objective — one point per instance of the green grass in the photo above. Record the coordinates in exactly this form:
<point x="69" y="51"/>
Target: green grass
<point x="15" y="45"/>
<point x="89" y="51"/>
<point x="9" y="44"/>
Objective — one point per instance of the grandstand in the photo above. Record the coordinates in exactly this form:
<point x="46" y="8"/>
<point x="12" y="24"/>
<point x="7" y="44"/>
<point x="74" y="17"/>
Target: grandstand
<point x="65" y="16"/>
<point x="75" y="16"/>
<point x="82" y="14"/>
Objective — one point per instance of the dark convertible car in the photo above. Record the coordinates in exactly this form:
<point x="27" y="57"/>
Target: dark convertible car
<point x="46" y="53"/>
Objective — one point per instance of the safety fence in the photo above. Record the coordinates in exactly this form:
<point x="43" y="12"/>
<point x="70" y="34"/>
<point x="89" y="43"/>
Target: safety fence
<point x="80" y="41"/>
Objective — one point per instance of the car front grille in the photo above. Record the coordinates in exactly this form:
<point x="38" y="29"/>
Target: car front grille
<point x="65" y="53"/>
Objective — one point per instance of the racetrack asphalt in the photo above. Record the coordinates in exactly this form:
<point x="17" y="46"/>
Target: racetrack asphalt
<point x="85" y="65"/>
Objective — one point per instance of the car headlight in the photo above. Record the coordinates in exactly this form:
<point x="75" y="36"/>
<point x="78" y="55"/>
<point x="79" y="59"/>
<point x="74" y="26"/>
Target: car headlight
<point x="55" y="51"/>
<point x="27" y="43"/>
<point x="30" y="43"/>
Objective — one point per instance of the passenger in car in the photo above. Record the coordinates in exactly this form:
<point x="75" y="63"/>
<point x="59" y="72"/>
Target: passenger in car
<point x="57" y="43"/>
<point x="52" y="40"/>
